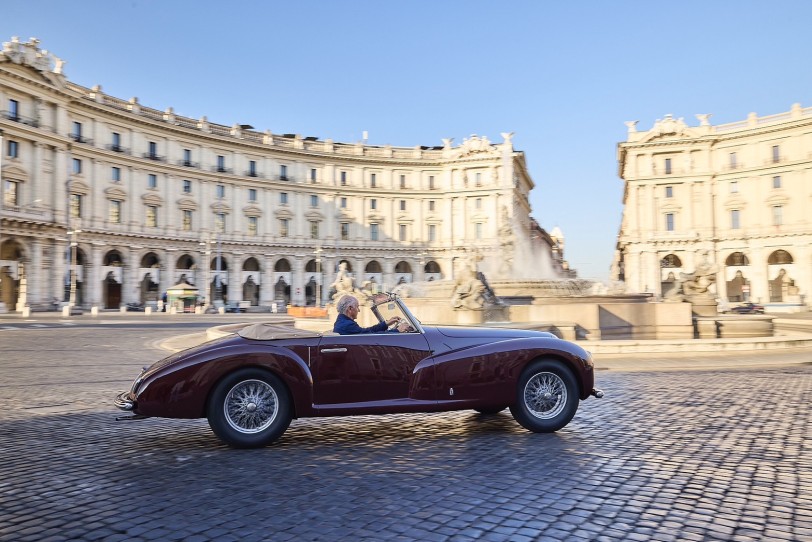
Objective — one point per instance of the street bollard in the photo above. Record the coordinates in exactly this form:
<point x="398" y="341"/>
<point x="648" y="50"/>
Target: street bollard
<point x="94" y="311"/>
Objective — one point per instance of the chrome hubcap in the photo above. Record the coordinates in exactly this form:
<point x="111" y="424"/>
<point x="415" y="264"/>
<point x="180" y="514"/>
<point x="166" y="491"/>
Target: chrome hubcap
<point x="251" y="406"/>
<point x="545" y="395"/>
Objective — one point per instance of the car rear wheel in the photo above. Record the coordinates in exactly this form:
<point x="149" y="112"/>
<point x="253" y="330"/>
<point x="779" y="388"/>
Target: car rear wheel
<point x="249" y="408"/>
<point x="547" y="396"/>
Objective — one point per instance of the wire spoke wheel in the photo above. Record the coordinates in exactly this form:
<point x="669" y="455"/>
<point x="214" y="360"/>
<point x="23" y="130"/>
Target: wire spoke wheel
<point x="251" y="406"/>
<point x="545" y="395"/>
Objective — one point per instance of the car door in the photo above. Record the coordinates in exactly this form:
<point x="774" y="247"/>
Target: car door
<point x="351" y="371"/>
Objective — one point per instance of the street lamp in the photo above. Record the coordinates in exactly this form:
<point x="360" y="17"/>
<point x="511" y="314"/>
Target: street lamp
<point x="318" y="270"/>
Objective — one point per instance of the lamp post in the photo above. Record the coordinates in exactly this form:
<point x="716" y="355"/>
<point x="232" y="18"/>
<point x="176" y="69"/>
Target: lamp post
<point x="218" y="285"/>
<point x="206" y="243"/>
<point x="318" y="271"/>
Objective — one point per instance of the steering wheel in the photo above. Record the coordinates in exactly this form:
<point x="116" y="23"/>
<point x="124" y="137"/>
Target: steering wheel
<point x="395" y="324"/>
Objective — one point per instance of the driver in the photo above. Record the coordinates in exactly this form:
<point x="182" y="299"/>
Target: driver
<point x="347" y="308"/>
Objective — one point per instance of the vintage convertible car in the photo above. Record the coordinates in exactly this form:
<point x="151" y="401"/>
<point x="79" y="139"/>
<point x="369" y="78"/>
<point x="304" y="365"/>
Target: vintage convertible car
<point x="252" y="383"/>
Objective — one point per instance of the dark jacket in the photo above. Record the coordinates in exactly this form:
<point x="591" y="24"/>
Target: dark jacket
<point x="347" y="326"/>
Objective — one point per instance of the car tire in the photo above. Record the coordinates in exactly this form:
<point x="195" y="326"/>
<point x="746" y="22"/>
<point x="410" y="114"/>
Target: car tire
<point x="249" y="408"/>
<point x="491" y="410"/>
<point x="546" y="396"/>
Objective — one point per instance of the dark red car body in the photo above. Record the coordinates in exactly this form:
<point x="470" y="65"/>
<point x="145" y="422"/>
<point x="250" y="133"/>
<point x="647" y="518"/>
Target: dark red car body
<point x="429" y="370"/>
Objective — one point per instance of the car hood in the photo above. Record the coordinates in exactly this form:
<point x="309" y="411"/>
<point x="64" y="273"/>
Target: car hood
<point x="491" y="333"/>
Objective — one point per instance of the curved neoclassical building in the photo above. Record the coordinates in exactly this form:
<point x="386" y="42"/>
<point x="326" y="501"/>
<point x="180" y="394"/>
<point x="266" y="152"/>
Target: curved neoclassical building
<point x="107" y="201"/>
<point x="739" y="193"/>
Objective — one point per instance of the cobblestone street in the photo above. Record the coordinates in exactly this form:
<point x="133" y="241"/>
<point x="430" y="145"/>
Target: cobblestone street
<point x="720" y="454"/>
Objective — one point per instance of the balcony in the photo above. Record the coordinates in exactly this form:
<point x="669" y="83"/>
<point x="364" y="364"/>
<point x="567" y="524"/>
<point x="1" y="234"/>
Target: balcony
<point x="117" y="148"/>
<point x="254" y="174"/>
<point x="151" y="156"/>
<point x="79" y="138"/>
<point x="221" y="169"/>
<point x="188" y="163"/>
<point x="14" y="117"/>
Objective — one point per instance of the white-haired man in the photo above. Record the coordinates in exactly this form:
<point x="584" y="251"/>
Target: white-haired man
<point x="347" y="308"/>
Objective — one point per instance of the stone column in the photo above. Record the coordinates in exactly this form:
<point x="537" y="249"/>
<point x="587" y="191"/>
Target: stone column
<point x="297" y="290"/>
<point x="168" y="270"/>
<point x="130" y="290"/>
<point x="266" y="292"/>
<point x="235" y="278"/>
<point x="36" y="289"/>
<point x="388" y="273"/>
<point x="59" y="255"/>
<point x="94" y="281"/>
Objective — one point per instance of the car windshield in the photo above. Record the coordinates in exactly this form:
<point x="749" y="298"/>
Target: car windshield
<point x="390" y="309"/>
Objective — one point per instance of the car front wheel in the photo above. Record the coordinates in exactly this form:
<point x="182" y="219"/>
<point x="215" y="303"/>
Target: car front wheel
<point x="249" y="408"/>
<point x="547" y="397"/>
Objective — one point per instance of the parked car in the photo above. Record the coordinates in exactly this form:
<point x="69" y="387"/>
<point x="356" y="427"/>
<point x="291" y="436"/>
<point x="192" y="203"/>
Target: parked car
<point x="136" y="307"/>
<point x="235" y="306"/>
<point x="748" y="308"/>
<point x="251" y="384"/>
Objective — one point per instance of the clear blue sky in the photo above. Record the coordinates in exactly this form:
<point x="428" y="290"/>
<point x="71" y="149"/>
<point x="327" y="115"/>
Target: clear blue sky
<point x="563" y="76"/>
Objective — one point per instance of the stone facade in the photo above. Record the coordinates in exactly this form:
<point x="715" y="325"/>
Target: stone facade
<point x="136" y="200"/>
<point x="741" y="192"/>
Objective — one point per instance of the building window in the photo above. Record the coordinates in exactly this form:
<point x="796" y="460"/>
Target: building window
<point x="478" y="203"/>
<point x="669" y="191"/>
<point x="77" y="166"/>
<point x="314" y="229"/>
<point x="431" y="205"/>
<point x="284" y="227"/>
<point x="403" y="181"/>
<point x="314" y="201"/>
<point x="431" y="182"/>
<point x="187" y="157"/>
<point x="115" y="174"/>
<point x="252" y="168"/>
<point x="13" y="110"/>
<point x="76" y="205"/>
<point x="734" y="187"/>
<point x="187" y="186"/>
<point x="116" y="146"/>
<point x="373" y="232"/>
<point x="402" y="232"/>
<point x="776" y="154"/>
<point x="343" y="203"/>
<point x="152" y="216"/>
<point x="283" y="173"/>
<point x="220" y="222"/>
<point x="252" y="225"/>
<point x="478" y="230"/>
<point x="669" y="222"/>
<point x="152" y="181"/>
<point x="221" y="163"/>
<point x="10" y="194"/>
<point x="734" y="162"/>
<point x="373" y="180"/>
<point x="777" y="181"/>
<point x="403" y="205"/>
<point x="343" y="178"/>
<point x="252" y="195"/>
<point x="187" y="220"/>
<point x="432" y="232"/>
<point x="114" y="213"/>
<point x="153" y="149"/>
<point x="77" y="131"/>
<point x="13" y="149"/>
<point x="734" y="219"/>
<point x="221" y="191"/>
<point x="283" y="198"/>
<point x="778" y="215"/>
<point x="313" y="176"/>
<point x="345" y="231"/>
<point x="668" y="166"/>
<point x="373" y="204"/>
<point x="478" y="179"/>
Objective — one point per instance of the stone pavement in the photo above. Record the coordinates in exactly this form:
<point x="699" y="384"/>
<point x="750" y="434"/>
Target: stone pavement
<point x="669" y="456"/>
